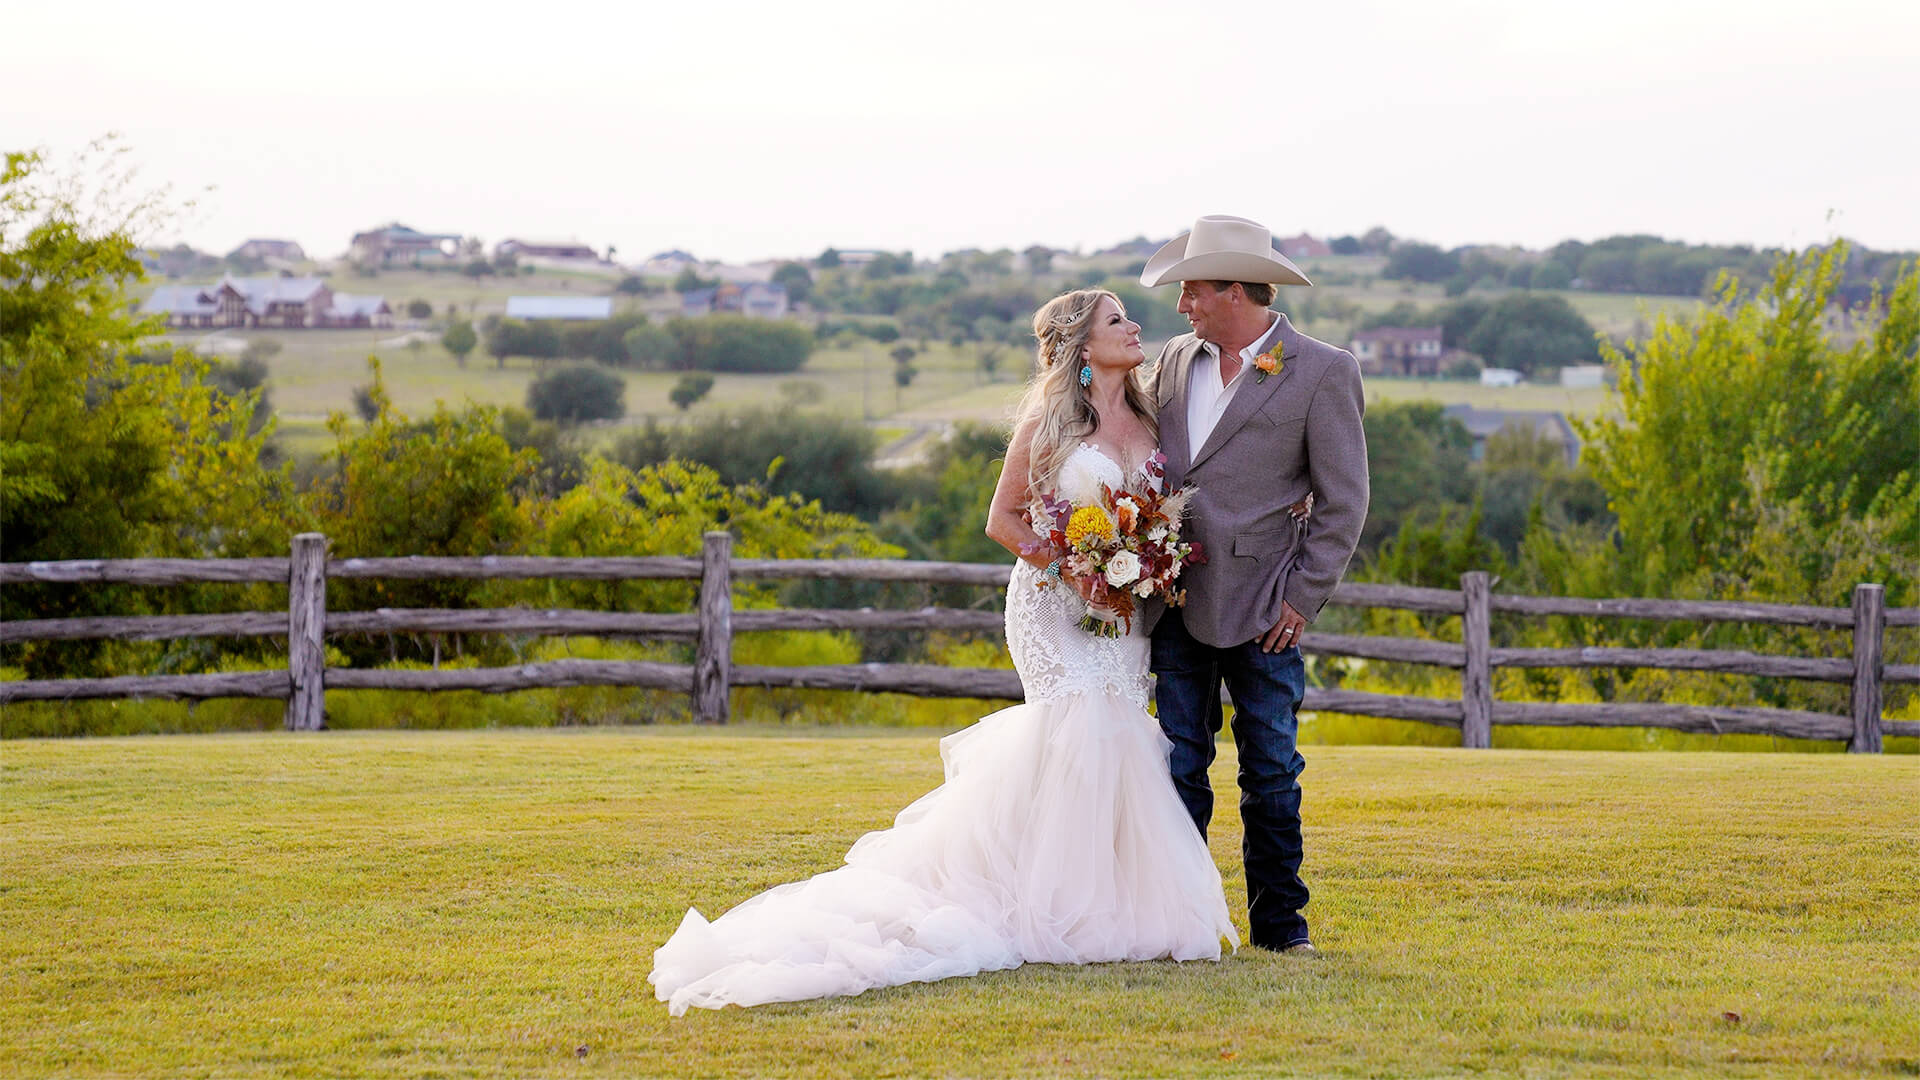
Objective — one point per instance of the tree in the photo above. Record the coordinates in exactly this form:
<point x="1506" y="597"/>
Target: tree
<point x="1345" y="245"/>
<point x="477" y="268"/>
<point x="1402" y="313"/>
<point x="442" y="486"/>
<point x="1551" y="275"/>
<point x="989" y="360"/>
<point x="538" y="339"/>
<point x="903" y="370"/>
<point x="829" y="458"/>
<point x="827" y="260"/>
<point x="1377" y="241"/>
<point x="795" y="278"/>
<point x="689" y="280"/>
<point x="886" y="264"/>
<point x="649" y="347"/>
<point x="1039" y="259"/>
<point x="740" y="343"/>
<point x="1525" y="482"/>
<point x="419" y="309"/>
<point x="106" y="451"/>
<point x="570" y="395"/>
<point x="460" y="340"/>
<point x="1421" y="262"/>
<point x="631" y="286"/>
<point x="690" y="389"/>
<point x="948" y="502"/>
<point x="366" y="404"/>
<point x="1458" y="320"/>
<point x="1531" y="331"/>
<point x="1753" y="415"/>
<point x="1420" y="460"/>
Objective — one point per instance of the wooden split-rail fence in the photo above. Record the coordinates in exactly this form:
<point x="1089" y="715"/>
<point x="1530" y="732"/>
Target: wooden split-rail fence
<point x="307" y="623"/>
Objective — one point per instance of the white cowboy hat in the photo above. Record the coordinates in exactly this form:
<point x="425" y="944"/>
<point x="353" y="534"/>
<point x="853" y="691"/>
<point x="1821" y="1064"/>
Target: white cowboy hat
<point x="1221" y="248"/>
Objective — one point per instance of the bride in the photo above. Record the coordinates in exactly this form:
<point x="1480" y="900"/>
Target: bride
<point x="1057" y="837"/>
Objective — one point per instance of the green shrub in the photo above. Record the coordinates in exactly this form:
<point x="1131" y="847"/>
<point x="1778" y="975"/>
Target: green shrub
<point x="571" y="395"/>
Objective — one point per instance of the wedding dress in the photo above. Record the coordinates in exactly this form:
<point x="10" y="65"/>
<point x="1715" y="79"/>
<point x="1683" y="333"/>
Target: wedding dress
<point x="1056" y="838"/>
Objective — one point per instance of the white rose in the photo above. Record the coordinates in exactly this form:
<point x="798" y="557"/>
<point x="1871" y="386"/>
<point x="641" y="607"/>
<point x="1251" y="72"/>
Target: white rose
<point x="1123" y="568"/>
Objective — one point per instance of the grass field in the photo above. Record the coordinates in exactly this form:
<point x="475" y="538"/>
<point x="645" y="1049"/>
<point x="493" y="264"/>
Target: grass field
<point x="486" y="903"/>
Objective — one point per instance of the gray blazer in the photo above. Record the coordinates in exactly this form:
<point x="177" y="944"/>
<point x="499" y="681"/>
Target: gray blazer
<point x="1296" y="432"/>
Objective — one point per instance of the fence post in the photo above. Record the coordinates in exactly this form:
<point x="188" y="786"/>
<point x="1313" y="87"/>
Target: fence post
<point x="1869" y="664"/>
<point x="307" y="633"/>
<point x="713" y="656"/>
<point x="1476" y="679"/>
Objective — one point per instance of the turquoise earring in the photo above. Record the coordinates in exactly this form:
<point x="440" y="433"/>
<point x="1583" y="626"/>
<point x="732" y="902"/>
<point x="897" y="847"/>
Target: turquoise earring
<point x="1086" y="375"/>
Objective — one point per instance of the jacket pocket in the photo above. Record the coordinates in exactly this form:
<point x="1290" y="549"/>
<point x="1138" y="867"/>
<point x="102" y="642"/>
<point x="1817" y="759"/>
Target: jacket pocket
<point x="1265" y="544"/>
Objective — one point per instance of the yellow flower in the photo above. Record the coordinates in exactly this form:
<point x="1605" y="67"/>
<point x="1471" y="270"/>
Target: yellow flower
<point x="1088" y="521"/>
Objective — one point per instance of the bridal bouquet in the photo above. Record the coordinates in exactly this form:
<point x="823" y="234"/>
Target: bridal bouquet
<point x="1127" y="545"/>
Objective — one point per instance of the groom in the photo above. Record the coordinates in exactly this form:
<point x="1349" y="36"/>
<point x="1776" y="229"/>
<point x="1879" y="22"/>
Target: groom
<point x="1264" y="422"/>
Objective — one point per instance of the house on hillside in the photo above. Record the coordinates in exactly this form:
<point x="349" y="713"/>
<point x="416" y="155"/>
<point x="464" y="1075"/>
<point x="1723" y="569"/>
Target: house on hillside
<point x="278" y="250"/>
<point x="287" y="303"/>
<point x="1399" y="350"/>
<point x="1303" y="247"/>
<point x="743" y="274"/>
<point x="545" y="249"/>
<point x="764" y="299"/>
<point x="668" y="263"/>
<point x="569" y="308"/>
<point x="184" y="306"/>
<point x="397" y="243"/>
<point x="1548" y="426"/>
<point x="351" y="312"/>
<point x="761" y="299"/>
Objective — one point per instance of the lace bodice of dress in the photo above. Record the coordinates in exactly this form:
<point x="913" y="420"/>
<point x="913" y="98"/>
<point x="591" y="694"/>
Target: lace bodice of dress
<point x="1053" y="656"/>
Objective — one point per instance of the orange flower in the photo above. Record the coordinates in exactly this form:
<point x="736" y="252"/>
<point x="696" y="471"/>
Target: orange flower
<point x="1268" y="362"/>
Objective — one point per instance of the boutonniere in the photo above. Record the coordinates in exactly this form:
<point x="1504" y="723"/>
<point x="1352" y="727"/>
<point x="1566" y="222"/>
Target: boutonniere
<point x="1269" y="363"/>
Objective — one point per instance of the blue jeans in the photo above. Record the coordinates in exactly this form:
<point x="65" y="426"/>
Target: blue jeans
<point x="1267" y="689"/>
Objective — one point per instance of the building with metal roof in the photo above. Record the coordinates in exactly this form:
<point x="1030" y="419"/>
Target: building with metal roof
<point x="560" y="307"/>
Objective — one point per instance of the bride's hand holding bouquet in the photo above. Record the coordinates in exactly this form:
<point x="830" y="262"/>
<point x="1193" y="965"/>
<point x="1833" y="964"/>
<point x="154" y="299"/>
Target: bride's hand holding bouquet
<point x="1121" y="549"/>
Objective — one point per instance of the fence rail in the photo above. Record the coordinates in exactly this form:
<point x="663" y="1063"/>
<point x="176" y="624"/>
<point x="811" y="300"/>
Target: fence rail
<point x="711" y="626"/>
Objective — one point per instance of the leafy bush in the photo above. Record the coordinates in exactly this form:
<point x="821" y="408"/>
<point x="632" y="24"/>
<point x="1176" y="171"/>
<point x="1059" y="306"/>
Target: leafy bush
<point x="690" y="389"/>
<point x="648" y="347"/>
<point x="829" y="458"/>
<point x="740" y="343"/>
<point x="539" y="339"/>
<point x="573" y="394"/>
<point x="460" y="340"/>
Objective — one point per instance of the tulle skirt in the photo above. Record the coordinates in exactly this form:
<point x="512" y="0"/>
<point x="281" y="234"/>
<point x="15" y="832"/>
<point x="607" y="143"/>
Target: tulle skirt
<point x="1056" y="838"/>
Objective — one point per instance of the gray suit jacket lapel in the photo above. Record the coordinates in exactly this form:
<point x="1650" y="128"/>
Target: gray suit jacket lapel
<point x="1174" y="379"/>
<point x="1252" y="394"/>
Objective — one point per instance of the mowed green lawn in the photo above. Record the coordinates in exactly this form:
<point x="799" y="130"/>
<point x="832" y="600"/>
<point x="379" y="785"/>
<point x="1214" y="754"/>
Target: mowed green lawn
<point x="486" y="903"/>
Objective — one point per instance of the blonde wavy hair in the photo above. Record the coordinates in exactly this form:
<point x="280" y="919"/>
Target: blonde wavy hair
<point x="1054" y="401"/>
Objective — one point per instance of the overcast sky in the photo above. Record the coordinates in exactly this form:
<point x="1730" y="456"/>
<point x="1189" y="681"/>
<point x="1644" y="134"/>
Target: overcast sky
<point x="744" y="130"/>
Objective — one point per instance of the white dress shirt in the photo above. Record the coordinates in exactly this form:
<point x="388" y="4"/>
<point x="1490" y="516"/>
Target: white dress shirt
<point x="1207" y="396"/>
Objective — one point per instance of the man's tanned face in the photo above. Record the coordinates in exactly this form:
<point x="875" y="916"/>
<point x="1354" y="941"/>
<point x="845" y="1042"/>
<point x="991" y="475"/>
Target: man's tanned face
<point x="1208" y="309"/>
